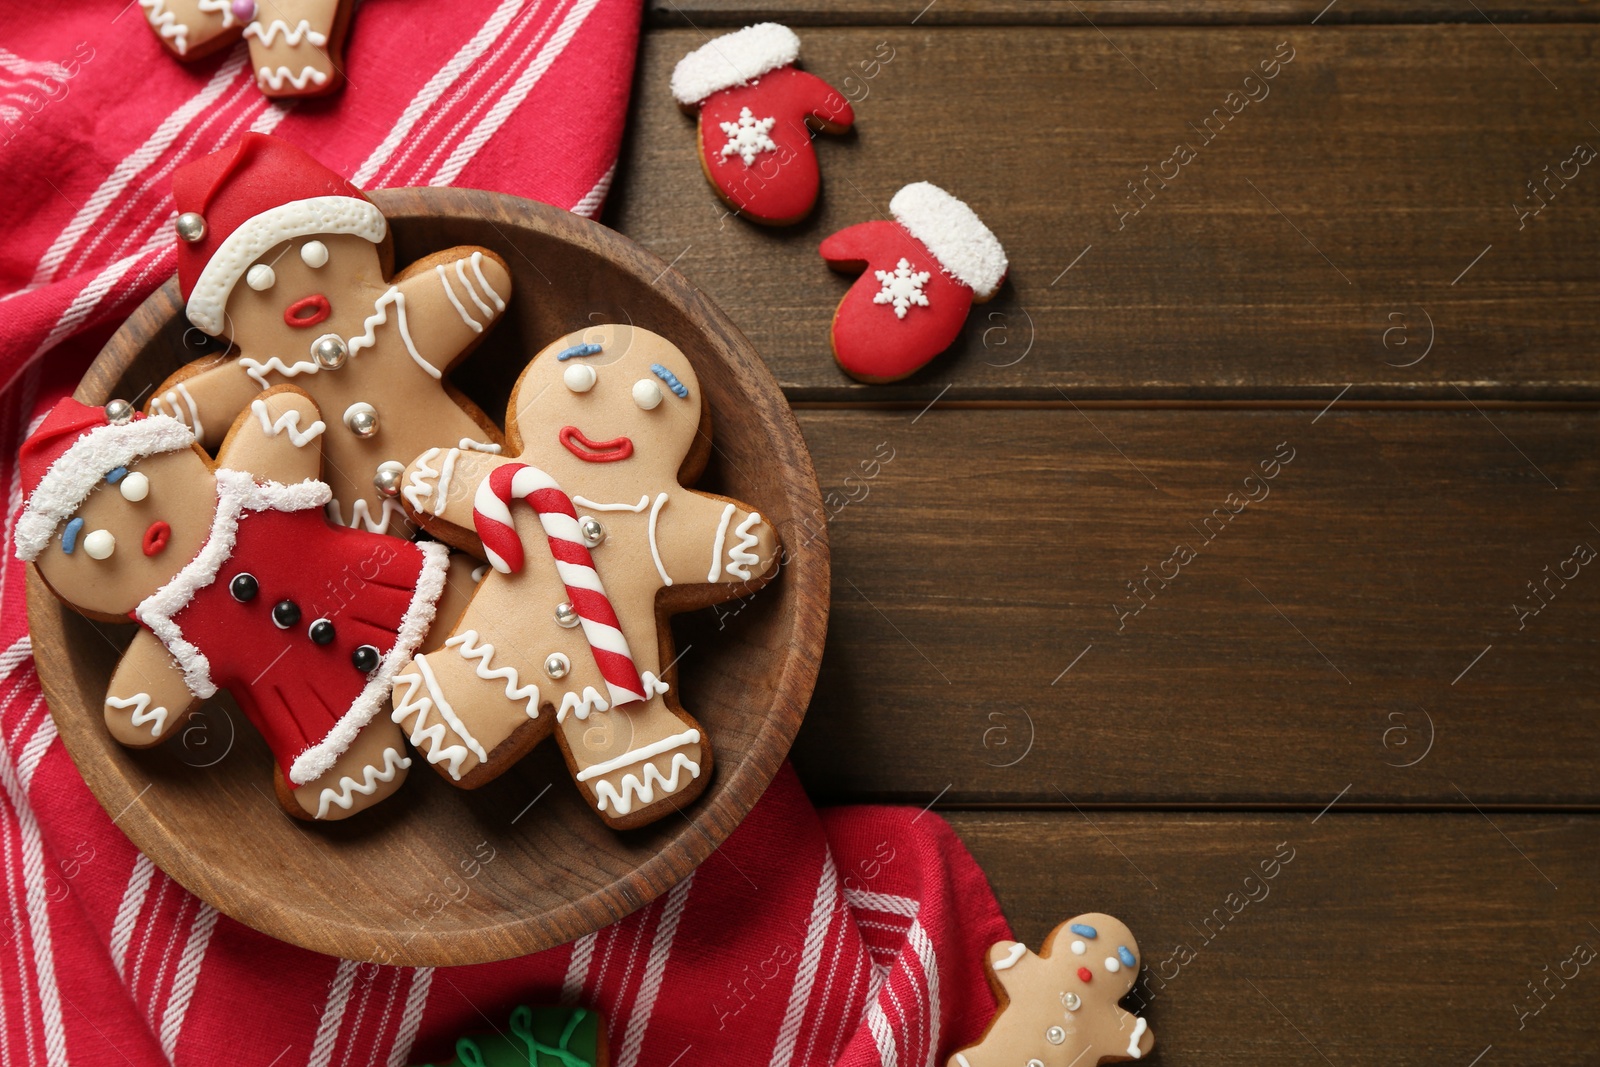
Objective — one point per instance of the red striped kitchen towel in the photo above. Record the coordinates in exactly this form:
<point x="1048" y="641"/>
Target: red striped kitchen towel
<point x="854" y="936"/>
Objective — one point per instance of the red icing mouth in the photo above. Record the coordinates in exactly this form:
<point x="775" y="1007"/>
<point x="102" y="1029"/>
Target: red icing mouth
<point x="594" y="451"/>
<point x="307" y="311"/>
<point x="156" y="537"/>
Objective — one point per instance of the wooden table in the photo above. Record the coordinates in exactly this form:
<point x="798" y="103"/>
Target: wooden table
<point x="1374" y="664"/>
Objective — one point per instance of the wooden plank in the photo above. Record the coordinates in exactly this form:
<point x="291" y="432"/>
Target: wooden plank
<point x="1316" y="643"/>
<point x="1394" y="939"/>
<point x="723" y="13"/>
<point x="1354" y="227"/>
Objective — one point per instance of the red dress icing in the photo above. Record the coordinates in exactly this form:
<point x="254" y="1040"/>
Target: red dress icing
<point x="780" y="184"/>
<point x="292" y="689"/>
<point x="869" y="340"/>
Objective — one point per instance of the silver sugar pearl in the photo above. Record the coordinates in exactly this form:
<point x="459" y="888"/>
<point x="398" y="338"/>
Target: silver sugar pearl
<point x="387" y="480"/>
<point x="329" y="351"/>
<point x="1035" y="1063"/>
<point x="566" y="615"/>
<point x="1055" y="1035"/>
<point x="591" y="530"/>
<point x="362" y="420"/>
<point x="556" y="665"/>
<point x="1071" y="1001"/>
<point x="118" y="411"/>
<point x="191" y="227"/>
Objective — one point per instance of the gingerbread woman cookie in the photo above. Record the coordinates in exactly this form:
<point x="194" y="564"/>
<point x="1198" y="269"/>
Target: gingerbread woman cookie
<point x="757" y="111"/>
<point x="289" y="261"/>
<point x="1059" y="1009"/>
<point x="238" y="582"/>
<point x="594" y="541"/>
<point x="921" y="274"/>
<point x="296" y="46"/>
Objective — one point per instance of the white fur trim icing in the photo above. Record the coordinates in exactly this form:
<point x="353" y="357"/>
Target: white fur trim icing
<point x="964" y="246"/>
<point x="733" y="59"/>
<point x="70" y="479"/>
<point x="298" y="218"/>
<point x="320" y="757"/>
<point x="236" y="492"/>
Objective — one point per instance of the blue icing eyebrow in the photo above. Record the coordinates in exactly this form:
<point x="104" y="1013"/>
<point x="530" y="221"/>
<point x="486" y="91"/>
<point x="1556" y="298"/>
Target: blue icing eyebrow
<point x="671" y="379"/>
<point x="69" y="536"/>
<point x="1084" y="931"/>
<point x="115" y="475"/>
<point x="575" y="351"/>
<point x="1126" y="956"/>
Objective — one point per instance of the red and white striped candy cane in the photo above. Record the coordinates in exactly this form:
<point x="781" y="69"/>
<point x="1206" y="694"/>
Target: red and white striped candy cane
<point x="491" y="515"/>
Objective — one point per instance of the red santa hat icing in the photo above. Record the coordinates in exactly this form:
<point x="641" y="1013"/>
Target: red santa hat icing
<point x="237" y="203"/>
<point x="71" y="453"/>
<point x="952" y="231"/>
<point x="733" y="59"/>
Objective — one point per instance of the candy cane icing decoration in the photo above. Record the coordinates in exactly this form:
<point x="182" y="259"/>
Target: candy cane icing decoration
<point x="491" y="516"/>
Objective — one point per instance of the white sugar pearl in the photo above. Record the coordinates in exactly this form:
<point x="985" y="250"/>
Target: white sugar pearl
<point x="100" y="544"/>
<point x="135" y="487"/>
<point x="260" y="277"/>
<point x="647" y="394"/>
<point x="579" y="377"/>
<point x="1113" y="965"/>
<point x="314" y="254"/>
<point x="1079" y="948"/>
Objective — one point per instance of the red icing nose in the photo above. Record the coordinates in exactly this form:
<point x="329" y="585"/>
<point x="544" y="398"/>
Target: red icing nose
<point x="307" y="311"/>
<point x="156" y="537"/>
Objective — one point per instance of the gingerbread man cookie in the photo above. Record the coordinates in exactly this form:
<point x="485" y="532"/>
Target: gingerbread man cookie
<point x="289" y="261"/>
<point x="238" y="582"/>
<point x="296" y="46"/>
<point x="1059" y="1009"/>
<point x="757" y="111"/>
<point x="921" y="274"/>
<point x="593" y="541"/>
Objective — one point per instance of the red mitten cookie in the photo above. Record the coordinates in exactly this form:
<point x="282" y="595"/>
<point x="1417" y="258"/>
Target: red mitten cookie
<point x="295" y="45"/>
<point x="238" y="582"/>
<point x="290" y="262"/>
<point x="923" y="272"/>
<point x="756" y="115"/>
<point x="1059" y="1009"/>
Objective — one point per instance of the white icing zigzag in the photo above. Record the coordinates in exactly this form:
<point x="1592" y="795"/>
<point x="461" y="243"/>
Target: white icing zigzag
<point x="470" y="648"/>
<point x="190" y="418"/>
<point x="344" y="796"/>
<point x="166" y="24"/>
<point x="139" y="702"/>
<point x="652" y="685"/>
<point x="421" y="487"/>
<point x="275" y="78"/>
<point x="581" y="706"/>
<point x="300" y="32"/>
<point x="740" y="558"/>
<point x="379" y="317"/>
<point x="405" y="705"/>
<point x="644" y="791"/>
<point x="289" y="420"/>
<point x="361" y="515"/>
<point x="223" y="8"/>
<point x="259" y="371"/>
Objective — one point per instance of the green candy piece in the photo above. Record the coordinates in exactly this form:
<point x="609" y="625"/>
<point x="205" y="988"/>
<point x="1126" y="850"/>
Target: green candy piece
<point x="536" y="1037"/>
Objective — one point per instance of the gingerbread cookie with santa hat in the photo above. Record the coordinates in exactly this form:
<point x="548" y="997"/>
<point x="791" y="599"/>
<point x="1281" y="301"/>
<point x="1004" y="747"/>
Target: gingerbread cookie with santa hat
<point x="593" y="541"/>
<point x="238" y="582"/>
<point x="1059" y="1008"/>
<point x="290" y="262"/>
<point x="757" y="112"/>
<point x="296" y="46"/>
<point x="921" y="274"/>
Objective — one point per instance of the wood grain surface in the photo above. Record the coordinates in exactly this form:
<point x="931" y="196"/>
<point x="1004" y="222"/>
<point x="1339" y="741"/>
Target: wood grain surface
<point x="437" y="876"/>
<point x="1353" y="227"/>
<point x="1353" y="662"/>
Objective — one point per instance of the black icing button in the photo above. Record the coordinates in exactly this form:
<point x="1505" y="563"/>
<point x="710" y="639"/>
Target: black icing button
<point x="365" y="659"/>
<point x="244" y="587"/>
<point x="285" y="613"/>
<point x="321" y="632"/>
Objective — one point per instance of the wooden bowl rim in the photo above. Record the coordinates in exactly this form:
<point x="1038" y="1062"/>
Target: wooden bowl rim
<point x="710" y="819"/>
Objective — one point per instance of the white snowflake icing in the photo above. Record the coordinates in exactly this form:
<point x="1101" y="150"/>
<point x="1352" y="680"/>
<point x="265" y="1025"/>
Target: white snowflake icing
<point x="748" y="138"/>
<point x="902" y="287"/>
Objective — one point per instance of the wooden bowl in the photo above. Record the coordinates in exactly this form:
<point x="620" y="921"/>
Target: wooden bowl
<point x="434" y="875"/>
